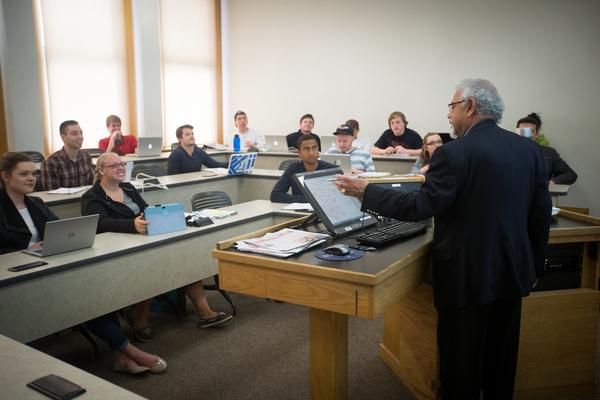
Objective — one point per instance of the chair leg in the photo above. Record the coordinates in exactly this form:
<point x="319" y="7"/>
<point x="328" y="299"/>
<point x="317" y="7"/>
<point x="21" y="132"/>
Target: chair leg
<point x="89" y="338"/>
<point x="225" y="294"/>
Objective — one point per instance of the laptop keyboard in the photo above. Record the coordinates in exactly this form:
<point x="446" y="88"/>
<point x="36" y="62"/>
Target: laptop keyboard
<point x="390" y="233"/>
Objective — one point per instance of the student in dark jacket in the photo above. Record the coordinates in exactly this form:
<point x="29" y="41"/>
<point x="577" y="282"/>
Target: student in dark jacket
<point x="22" y="223"/>
<point x="188" y="157"/>
<point x="307" y="123"/>
<point x="23" y="218"/>
<point x="121" y="209"/>
<point x="309" y="161"/>
<point x="558" y="170"/>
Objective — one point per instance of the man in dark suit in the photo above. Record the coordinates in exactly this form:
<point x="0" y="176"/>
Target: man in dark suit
<point x="488" y="193"/>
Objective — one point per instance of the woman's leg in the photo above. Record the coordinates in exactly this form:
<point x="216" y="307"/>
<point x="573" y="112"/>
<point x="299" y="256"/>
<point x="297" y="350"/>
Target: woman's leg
<point x="141" y="311"/>
<point x="195" y="292"/>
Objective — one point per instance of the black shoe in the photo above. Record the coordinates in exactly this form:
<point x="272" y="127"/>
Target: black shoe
<point x="141" y="334"/>
<point x="221" y="318"/>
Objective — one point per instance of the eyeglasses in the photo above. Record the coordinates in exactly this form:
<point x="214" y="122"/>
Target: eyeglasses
<point x="451" y="105"/>
<point x="435" y="143"/>
<point x="115" y="165"/>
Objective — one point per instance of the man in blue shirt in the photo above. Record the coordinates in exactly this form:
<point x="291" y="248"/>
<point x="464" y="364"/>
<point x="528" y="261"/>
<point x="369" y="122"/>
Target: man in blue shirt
<point x="188" y="157"/>
<point x="308" y="151"/>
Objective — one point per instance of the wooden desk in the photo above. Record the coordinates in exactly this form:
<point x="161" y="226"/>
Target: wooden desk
<point x="120" y="270"/>
<point x="558" y="343"/>
<point x="363" y="288"/>
<point x="21" y="364"/>
<point x="255" y="186"/>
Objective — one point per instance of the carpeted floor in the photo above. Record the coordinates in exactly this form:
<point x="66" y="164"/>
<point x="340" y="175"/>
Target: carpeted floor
<point x="261" y="354"/>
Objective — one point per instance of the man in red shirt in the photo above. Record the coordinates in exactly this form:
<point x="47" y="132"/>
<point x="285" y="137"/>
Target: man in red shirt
<point x="116" y="141"/>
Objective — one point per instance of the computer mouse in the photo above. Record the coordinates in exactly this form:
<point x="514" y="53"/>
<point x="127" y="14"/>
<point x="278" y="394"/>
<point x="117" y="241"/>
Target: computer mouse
<point x="337" y="249"/>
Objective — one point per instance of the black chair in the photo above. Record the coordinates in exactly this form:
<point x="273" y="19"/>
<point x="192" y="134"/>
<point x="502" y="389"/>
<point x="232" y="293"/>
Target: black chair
<point x="93" y="152"/>
<point x="174" y="145"/>
<point x="148" y="169"/>
<point x="286" y="163"/>
<point x="38" y="181"/>
<point x="35" y="156"/>
<point x="214" y="199"/>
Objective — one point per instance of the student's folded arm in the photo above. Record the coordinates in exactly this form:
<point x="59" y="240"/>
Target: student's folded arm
<point x="280" y="194"/>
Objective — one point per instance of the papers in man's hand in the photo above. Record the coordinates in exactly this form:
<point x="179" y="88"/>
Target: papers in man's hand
<point x="373" y="174"/>
<point x="284" y="243"/>
<point x="70" y="190"/>
<point x="298" y="207"/>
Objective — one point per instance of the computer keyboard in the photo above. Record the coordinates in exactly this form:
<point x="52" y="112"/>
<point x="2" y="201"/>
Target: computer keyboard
<point x="389" y="233"/>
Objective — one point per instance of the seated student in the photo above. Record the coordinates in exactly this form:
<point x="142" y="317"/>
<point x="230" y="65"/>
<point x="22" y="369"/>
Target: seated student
<point x="116" y="142"/>
<point x="557" y="169"/>
<point x="398" y="139"/>
<point x="22" y="223"/>
<point x="363" y="144"/>
<point x="188" y="157"/>
<point x="309" y="161"/>
<point x="431" y="142"/>
<point x="360" y="160"/>
<point x="70" y="166"/>
<point x="534" y="122"/>
<point x="250" y="139"/>
<point x="121" y="207"/>
<point x="307" y="122"/>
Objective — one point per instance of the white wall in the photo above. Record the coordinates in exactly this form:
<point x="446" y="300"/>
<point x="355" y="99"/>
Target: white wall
<point x="363" y="59"/>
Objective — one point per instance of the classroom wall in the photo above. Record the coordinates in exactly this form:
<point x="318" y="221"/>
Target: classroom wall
<point x="341" y="59"/>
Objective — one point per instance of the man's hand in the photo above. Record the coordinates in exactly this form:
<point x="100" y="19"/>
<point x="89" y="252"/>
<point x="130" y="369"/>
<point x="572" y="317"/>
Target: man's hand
<point x="400" y="150"/>
<point x="351" y="186"/>
<point x="389" y="150"/>
<point x="249" y="145"/>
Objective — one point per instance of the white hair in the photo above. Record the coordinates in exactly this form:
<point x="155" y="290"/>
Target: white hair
<point x="489" y="102"/>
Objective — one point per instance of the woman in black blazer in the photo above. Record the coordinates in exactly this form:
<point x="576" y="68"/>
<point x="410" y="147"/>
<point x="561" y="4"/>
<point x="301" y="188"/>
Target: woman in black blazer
<point x="22" y="222"/>
<point x="23" y="218"/>
<point x="121" y="209"/>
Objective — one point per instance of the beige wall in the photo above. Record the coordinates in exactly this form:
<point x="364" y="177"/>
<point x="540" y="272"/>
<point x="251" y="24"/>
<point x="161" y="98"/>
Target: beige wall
<point x="363" y="59"/>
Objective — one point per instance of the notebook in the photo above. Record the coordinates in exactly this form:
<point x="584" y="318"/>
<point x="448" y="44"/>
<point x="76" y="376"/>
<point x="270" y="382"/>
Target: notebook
<point x="165" y="218"/>
<point x="276" y="143"/>
<point x="149" y="146"/>
<point x="341" y="160"/>
<point x="240" y="164"/>
<point x="66" y="235"/>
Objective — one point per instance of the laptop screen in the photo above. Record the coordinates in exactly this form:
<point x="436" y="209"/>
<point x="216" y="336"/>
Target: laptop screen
<point x="341" y="214"/>
<point x="240" y="164"/>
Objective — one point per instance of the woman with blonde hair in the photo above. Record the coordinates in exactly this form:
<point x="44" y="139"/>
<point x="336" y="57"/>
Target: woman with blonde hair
<point x="121" y="209"/>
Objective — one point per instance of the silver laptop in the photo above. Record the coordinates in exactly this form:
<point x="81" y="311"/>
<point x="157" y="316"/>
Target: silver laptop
<point x="341" y="160"/>
<point x="66" y="235"/>
<point x="276" y="143"/>
<point x="149" y="146"/>
<point x="328" y="142"/>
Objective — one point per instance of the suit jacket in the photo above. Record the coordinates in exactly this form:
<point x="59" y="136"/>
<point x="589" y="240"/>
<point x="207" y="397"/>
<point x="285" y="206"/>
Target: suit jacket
<point x="558" y="170"/>
<point x="114" y="216"/>
<point x="14" y="233"/>
<point x="489" y="196"/>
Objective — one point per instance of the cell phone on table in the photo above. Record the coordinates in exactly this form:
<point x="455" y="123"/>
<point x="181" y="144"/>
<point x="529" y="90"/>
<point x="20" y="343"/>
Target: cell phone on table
<point x="27" y="266"/>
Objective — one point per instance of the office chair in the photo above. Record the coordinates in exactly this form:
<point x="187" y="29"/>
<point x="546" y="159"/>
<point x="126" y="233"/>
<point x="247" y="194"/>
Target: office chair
<point x="93" y="152"/>
<point x="174" y="145"/>
<point x="213" y="199"/>
<point x="38" y="181"/>
<point x="35" y="156"/>
<point x="148" y="169"/>
<point x="285" y="164"/>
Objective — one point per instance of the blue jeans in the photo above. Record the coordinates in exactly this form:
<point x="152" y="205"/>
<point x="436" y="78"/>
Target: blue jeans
<point x="108" y="329"/>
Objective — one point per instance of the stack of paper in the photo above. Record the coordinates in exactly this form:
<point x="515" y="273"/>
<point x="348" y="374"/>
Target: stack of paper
<point x="70" y="190"/>
<point x="284" y="243"/>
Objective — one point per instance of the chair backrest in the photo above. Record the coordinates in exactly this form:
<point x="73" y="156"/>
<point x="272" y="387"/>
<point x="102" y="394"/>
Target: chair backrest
<point x="34" y="156"/>
<point x="286" y="163"/>
<point x="148" y="169"/>
<point x="174" y="145"/>
<point x="38" y="181"/>
<point x="215" y="199"/>
<point x="93" y="152"/>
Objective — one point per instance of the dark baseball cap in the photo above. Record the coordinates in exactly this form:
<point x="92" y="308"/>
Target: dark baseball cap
<point x="344" y="130"/>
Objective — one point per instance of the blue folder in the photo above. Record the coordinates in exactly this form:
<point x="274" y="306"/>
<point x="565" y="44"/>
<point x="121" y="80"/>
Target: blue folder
<point x="165" y="218"/>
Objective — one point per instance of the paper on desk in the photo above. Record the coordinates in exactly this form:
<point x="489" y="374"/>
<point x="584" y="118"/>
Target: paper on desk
<point x="298" y="206"/>
<point x="283" y="243"/>
<point x="214" y="213"/>
<point x="70" y="190"/>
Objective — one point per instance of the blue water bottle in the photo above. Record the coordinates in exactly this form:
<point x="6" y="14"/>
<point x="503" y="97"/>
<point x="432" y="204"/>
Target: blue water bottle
<point x="236" y="142"/>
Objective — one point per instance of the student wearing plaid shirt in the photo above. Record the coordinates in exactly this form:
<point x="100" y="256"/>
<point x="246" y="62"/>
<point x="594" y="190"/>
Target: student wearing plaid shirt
<point x="70" y="166"/>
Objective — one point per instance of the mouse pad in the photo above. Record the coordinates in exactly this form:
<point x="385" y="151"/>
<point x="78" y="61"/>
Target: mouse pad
<point x="352" y="255"/>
